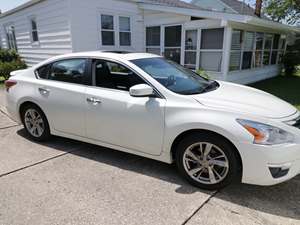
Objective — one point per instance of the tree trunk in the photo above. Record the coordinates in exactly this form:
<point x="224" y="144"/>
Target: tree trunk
<point x="258" y="8"/>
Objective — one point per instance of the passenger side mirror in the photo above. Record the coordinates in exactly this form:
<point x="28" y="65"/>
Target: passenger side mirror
<point x="141" y="90"/>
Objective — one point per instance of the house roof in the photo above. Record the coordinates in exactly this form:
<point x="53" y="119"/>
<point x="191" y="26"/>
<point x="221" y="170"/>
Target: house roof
<point x="240" y="7"/>
<point x="171" y="7"/>
<point x="20" y="7"/>
<point x="171" y="3"/>
<point x="180" y="7"/>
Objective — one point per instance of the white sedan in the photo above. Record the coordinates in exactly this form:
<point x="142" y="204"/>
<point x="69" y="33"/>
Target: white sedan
<point x="216" y="132"/>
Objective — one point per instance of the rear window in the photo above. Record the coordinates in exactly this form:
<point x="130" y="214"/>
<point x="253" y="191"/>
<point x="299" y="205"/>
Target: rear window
<point x="43" y="72"/>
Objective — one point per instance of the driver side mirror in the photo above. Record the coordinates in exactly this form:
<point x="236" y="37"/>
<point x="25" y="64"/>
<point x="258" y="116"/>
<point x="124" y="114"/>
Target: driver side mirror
<point x="141" y="90"/>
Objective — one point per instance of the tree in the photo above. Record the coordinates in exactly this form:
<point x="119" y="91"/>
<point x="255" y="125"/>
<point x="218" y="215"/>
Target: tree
<point x="285" y="11"/>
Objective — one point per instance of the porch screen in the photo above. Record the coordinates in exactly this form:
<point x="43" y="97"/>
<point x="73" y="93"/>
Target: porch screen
<point x="191" y="37"/>
<point x="211" y="49"/>
<point x="173" y="43"/>
<point x="153" y="40"/>
<point x="255" y="49"/>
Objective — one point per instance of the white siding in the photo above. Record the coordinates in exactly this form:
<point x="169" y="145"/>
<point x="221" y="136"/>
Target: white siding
<point x="86" y="24"/>
<point x="254" y="75"/>
<point x="160" y="18"/>
<point x="52" y="19"/>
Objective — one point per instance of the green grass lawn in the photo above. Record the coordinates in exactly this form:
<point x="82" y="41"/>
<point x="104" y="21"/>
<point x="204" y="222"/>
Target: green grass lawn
<point x="1" y="82"/>
<point x="286" y="88"/>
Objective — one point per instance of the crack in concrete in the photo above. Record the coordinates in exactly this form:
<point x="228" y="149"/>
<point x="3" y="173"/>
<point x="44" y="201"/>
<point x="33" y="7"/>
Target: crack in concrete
<point x="3" y="128"/>
<point x="37" y="163"/>
<point x="200" y="207"/>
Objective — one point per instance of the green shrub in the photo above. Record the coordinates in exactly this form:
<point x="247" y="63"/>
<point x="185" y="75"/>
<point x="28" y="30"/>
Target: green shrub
<point x="7" y="67"/>
<point x="10" y="61"/>
<point x="203" y="73"/>
<point x="8" y="55"/>
<point x="290" y="62"/>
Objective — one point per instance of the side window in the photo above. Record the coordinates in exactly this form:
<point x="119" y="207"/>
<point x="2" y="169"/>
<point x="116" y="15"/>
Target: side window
<point x="114" y="76"/>
<point x="70" y="70"/>
<point x="43" y="72"/>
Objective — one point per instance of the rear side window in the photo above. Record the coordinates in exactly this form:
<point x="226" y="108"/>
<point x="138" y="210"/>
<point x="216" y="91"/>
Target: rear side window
<point x="70" y="71"/>
<point x="43" y="72"/>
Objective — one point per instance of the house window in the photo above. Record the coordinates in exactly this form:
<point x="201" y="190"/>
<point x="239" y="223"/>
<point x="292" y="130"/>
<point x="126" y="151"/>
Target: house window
<point x="153" y="40"/>
<point x="34" y="31"/>
<point x="211" y="49"/>
<point x="191" y="37"/>
<point x="11" y="37"/>
<point x="107" y="30"/>
<point x="124" y="31"/>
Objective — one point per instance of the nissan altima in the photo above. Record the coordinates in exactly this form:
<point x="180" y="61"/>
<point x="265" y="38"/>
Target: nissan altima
<point x="216" y="132"/>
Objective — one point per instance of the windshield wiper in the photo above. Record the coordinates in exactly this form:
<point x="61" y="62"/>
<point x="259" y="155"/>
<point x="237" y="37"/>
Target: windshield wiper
<point x="211" y="86"/>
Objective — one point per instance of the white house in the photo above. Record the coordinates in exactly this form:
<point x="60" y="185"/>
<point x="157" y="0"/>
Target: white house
<point x="223" y="37"/>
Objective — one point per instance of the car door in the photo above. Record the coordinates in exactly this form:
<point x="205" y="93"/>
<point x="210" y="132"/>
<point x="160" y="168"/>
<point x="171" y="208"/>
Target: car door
<point x="115" y="117"/>
<point x="61" y="94"/>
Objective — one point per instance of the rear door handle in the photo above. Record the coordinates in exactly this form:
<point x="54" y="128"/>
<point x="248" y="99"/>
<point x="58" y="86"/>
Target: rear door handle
<point x="44" y="91"/>
<point x="94" y="101"/>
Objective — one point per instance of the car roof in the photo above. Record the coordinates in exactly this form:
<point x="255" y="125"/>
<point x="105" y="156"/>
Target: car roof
<point x="107" y="54"/>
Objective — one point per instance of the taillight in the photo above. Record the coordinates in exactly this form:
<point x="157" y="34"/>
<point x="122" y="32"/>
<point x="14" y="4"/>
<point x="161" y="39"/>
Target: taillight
<point x="9" y="84"/>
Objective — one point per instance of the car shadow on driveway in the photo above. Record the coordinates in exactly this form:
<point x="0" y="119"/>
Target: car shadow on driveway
<point x="281" y="200"/>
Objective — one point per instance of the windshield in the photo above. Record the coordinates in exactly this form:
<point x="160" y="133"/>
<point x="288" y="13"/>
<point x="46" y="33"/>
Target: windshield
<point x="175" y="77"/>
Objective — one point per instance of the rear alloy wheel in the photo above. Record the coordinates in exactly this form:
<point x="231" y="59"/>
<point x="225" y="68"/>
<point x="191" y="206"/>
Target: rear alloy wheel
<point x="208" y="162"/>
<point x="35" y="123"/>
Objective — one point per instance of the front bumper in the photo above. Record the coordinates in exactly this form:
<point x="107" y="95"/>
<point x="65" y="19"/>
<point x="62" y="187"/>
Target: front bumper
<point x="258" y="159"/>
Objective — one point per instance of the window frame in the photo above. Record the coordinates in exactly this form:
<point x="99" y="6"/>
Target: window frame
<point x="122" y="31"/>
<point x="87" y="81"/>
<point x="116" y="29"/>
<point x="108" y="30"/>
<point x="32" y="30"/>
<point x="11" y="40"/>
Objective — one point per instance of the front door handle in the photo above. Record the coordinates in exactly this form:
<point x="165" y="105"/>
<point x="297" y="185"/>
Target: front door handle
<point x="93" y="101"/>
<point x="44" y="91"/>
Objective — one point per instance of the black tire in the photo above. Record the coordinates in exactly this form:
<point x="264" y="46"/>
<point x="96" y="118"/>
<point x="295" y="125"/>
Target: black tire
<point x="232" y="160"/>
<point x="45" y="135"/>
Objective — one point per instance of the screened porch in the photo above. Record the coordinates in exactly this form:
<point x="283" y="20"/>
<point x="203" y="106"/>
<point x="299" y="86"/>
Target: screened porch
<point x="223" y="51"/>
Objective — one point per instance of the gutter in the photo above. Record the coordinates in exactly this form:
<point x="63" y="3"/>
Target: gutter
<point x="271" y="24"/>
<point x="21" y="7"/>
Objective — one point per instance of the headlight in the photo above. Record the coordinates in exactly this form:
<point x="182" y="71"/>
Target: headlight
<point x="265" y="134"/>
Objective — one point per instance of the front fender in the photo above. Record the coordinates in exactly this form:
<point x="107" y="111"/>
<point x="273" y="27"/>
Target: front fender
<point x="219" y="122"/>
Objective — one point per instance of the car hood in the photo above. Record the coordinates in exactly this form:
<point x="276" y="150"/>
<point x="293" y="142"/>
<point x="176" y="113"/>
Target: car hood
<point x="243" y="99"/>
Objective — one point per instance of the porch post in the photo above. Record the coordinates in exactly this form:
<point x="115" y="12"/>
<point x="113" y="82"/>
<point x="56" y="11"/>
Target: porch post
<point x="226" y="51"/>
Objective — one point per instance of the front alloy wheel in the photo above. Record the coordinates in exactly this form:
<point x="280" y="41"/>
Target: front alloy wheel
<point x="207" y="161"/>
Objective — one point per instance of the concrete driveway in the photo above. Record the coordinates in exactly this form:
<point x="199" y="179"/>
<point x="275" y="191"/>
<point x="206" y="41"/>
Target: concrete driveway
<point x="69" y="182"/>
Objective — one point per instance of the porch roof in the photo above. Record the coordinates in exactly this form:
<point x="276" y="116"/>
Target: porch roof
<point x="179" y="7"/>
